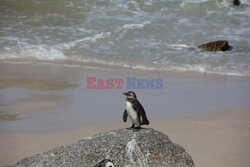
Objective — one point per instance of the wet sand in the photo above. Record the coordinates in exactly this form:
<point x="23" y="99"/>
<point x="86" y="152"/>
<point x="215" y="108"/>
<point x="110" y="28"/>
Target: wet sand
<point x="46" y="105"/>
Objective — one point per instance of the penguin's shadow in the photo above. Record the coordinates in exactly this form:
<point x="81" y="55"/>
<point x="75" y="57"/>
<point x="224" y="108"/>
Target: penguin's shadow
<point x="135" y="129"/>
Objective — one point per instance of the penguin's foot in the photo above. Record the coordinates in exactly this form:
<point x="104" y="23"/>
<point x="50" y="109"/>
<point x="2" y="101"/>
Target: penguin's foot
<point x="132" y="127"/>
<point x="138" y="127"/>
<point x="135" y="128"/>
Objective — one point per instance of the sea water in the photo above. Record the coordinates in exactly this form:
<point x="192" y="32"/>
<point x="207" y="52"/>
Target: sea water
<point x="160" y="35"/>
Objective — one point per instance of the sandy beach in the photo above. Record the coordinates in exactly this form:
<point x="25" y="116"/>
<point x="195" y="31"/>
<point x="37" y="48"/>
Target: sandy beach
<point x="46" y="105"/>
<point x="220" y="139"/>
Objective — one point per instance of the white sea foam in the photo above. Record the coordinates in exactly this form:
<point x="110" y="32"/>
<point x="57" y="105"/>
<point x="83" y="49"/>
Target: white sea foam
<point x="178" y="46"/>
<point x="203" y="68"/>
<point x="33" y="52"/>
<point x="91" y="39"/>
<point x="196" y="1"/>
<point x="135" y="26"/>
<point x="163" y="36"/>
<point x="55" y="54"/>
<point x="183" y="21"/>
<point x="187" y="2"/>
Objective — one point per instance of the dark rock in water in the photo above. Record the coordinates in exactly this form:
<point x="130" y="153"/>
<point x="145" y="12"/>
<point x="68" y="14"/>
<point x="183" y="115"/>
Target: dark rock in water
<point x="236" y="2"/>
<point x="125" y="147"/>
<point x="216" y="46"/>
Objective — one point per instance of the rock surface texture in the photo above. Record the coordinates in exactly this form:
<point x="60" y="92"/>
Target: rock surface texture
<point x="216" y="46"/>
<point x="125" y="147"/>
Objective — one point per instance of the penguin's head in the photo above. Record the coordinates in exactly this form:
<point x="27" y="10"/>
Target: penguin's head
<point x="130" y="94"/>
<point x="105" y="163"/>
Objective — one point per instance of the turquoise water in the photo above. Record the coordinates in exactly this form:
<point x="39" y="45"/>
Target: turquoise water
<point x="160" y="35"/>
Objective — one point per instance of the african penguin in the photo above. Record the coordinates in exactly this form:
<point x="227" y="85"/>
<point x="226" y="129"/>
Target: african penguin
<point x="105" y="163"/>
<point x="134" y="110"/>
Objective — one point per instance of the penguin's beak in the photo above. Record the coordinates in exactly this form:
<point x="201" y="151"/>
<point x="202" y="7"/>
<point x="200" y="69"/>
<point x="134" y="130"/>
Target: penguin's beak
<point x="125" y="93"/>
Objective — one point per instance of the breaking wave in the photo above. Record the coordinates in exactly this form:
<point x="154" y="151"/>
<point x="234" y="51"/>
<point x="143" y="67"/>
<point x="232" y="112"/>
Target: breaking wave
<point x="144" y="35"/>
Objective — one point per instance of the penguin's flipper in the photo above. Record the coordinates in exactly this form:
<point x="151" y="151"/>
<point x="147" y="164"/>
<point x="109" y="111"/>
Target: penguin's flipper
<point x="138" y="114"/>
<point x="125" y="116"/>
<point x="139" y="117"/>
<point x="141" y="110"/>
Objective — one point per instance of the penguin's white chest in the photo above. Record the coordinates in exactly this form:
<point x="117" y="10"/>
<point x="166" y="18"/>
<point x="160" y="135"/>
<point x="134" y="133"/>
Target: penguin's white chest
<point x="131" y="113"/>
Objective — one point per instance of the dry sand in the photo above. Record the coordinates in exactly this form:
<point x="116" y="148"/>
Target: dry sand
<point x="220" y="139"/>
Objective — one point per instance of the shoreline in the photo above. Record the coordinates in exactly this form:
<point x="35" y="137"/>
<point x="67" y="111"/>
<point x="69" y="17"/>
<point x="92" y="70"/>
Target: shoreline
<point x="95" y="66"/>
